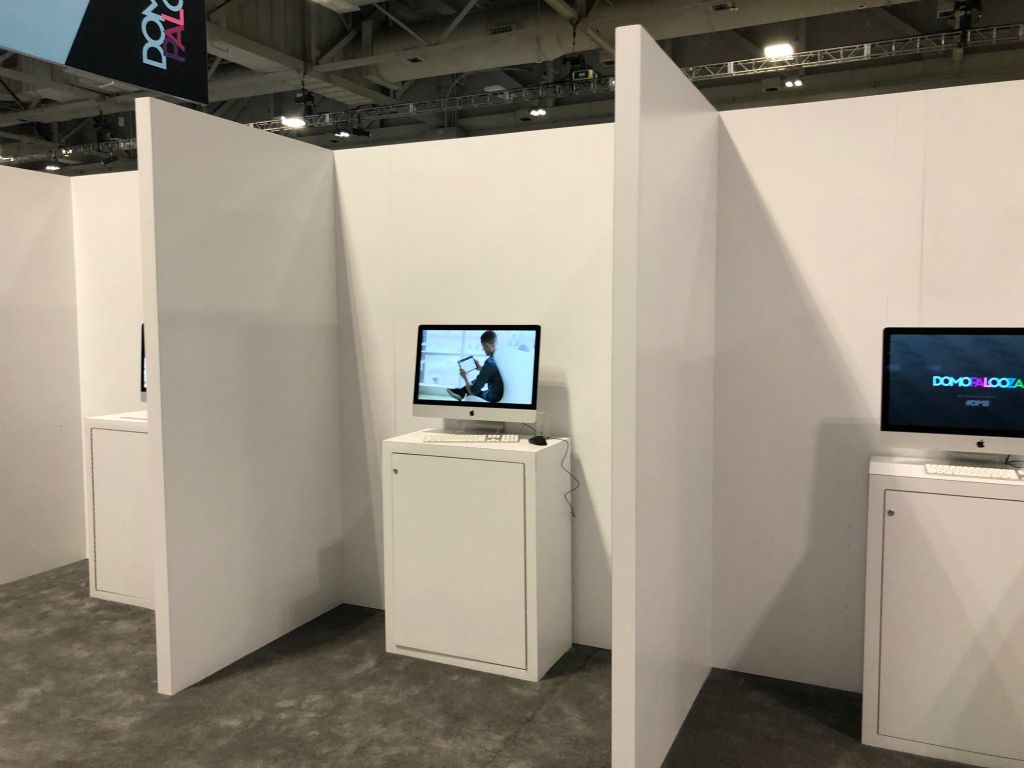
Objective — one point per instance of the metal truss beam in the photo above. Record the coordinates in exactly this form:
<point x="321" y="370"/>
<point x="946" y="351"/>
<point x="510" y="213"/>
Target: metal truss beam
<point x="940" y="43"/>
<point x="515" y="96"/>
<point x="932" y="47"/>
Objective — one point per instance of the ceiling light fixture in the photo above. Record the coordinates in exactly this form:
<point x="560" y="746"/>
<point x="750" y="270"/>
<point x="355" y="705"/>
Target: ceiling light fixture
<point x="342" y="134"/>
<point x="779" y="51"/>
<point x="53" y="167"/>
<point x="538" y="112"/>
<point x="294" y="121"/>
<point x="794" y="83"/>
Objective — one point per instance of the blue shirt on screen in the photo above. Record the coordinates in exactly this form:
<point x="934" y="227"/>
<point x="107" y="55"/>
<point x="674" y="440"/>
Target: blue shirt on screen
<point x="489" y="377"/>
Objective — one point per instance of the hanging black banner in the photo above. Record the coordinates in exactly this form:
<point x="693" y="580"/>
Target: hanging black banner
<point x="159" y="45"/>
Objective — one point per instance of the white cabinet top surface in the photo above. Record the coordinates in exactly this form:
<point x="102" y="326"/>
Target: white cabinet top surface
<point x="132" y="421"/>
<point x="523" y="446"/>
<point x="895" y="466"/>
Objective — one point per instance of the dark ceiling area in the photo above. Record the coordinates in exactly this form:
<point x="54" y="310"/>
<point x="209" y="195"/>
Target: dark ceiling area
<point x="363" y="73"/>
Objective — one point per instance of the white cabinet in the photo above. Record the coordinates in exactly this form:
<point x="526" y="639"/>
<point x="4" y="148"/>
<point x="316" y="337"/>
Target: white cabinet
<point x="944" y="646"/>
<point x="477" y="551"/>
<point x="120" y="528"/>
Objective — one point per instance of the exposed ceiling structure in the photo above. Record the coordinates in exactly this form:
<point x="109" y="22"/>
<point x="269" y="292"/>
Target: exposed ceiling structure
<point x="398" y="70"/>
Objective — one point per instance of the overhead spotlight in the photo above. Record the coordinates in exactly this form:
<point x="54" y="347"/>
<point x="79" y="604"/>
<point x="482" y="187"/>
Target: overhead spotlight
<point x="794" y="83"/>
<point x="293" y="121"/>
<point x="538" y="112"/>
<point x="778" y="51"/>
<point x="342" y="134"/>
<point x="52" y="167"/>
<point x="65" y="151"/>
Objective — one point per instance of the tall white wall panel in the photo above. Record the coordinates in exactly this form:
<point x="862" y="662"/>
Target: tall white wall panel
<point x="42" y="524"/>
<point x="240" y="278"/>
<point x="666" y="141"/>
<point x="837" y="219"/>
<point x="497" y="229"/>
<point x="108" y="266"/>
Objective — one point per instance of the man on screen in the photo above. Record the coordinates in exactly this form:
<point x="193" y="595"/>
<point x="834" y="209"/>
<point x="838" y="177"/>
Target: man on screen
<point x="488" y="384"/>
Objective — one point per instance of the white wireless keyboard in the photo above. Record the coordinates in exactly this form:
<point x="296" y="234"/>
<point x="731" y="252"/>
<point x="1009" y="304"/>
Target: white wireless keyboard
<point x="455" y="437"/>
<point x="995" y="473"/>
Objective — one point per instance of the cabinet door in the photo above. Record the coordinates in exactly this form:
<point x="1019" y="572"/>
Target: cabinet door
<point x="459" y="558"/>
<point x="952" y="641"/>
<point x="123" y="548"/>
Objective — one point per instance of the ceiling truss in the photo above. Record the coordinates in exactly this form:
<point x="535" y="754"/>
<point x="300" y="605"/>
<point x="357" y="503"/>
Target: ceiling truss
<point x="358" y="60"/>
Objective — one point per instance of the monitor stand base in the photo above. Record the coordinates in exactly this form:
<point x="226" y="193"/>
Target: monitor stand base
<point x="465" y="427"/>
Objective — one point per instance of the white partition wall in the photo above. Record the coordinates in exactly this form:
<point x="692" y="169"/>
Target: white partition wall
<point x="483" y="230"/>
<point x="836" y="219"/>
<point x="41" y="520"/>
<point x="108" y="267"/>
<point x="242" y="339"/>
<point x="666" y="137"/>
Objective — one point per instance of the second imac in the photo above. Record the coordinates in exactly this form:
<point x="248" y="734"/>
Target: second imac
<point x="477" y="372"/>
<point x="954" y="389"/>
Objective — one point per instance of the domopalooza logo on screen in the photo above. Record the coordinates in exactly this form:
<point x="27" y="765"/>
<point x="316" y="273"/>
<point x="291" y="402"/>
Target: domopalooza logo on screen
<point x="978" y="382"/>
<point x="163" y="31"/>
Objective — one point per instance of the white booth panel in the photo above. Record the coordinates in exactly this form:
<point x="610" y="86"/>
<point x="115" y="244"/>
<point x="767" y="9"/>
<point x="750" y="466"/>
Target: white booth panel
<point x="42" y="523"/>
<point x="663" y="398"/>
<point x="242" y="345"/>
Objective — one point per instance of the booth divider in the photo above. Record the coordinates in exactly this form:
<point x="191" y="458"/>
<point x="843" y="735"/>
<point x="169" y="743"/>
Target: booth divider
<point x="239" y="276"/>
<point x="666" y="150"/>
<point x="41" y="521"/>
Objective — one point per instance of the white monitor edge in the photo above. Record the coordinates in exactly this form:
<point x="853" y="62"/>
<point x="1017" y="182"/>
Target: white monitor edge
<point x="476" y="413"/>
<point x="897" y="442"/>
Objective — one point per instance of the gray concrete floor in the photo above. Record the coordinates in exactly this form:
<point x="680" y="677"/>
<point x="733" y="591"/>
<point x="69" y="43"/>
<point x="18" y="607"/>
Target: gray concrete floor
<point x="78" y="688"/>
<point x="746" y="720"/>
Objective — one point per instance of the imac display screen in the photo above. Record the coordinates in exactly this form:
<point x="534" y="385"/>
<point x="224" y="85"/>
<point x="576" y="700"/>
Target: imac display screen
<point x="492" y="366"/>
<point x="958" y="381"/>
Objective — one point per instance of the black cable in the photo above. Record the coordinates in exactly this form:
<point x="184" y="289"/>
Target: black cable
<point x="531" y="428"/>
<point x="567" y="471"/>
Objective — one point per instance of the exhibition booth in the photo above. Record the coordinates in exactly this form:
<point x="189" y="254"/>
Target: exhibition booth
<point x="712" y="290"/>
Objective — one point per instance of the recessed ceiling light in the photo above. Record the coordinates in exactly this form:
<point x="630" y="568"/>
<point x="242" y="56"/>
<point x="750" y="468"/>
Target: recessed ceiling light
<point x="293" y="122"/>
<point x="538" y="112"/>
<point x="342" y="134"/>
<point x="779" y="51"/>
<point x="53" y="167"/>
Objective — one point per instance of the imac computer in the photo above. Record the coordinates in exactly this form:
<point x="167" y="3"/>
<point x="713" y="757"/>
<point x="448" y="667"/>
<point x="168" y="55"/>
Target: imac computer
<point x="143" y="374"/>
<point x="477" y="372"/>
<point x="954" y="389"/>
